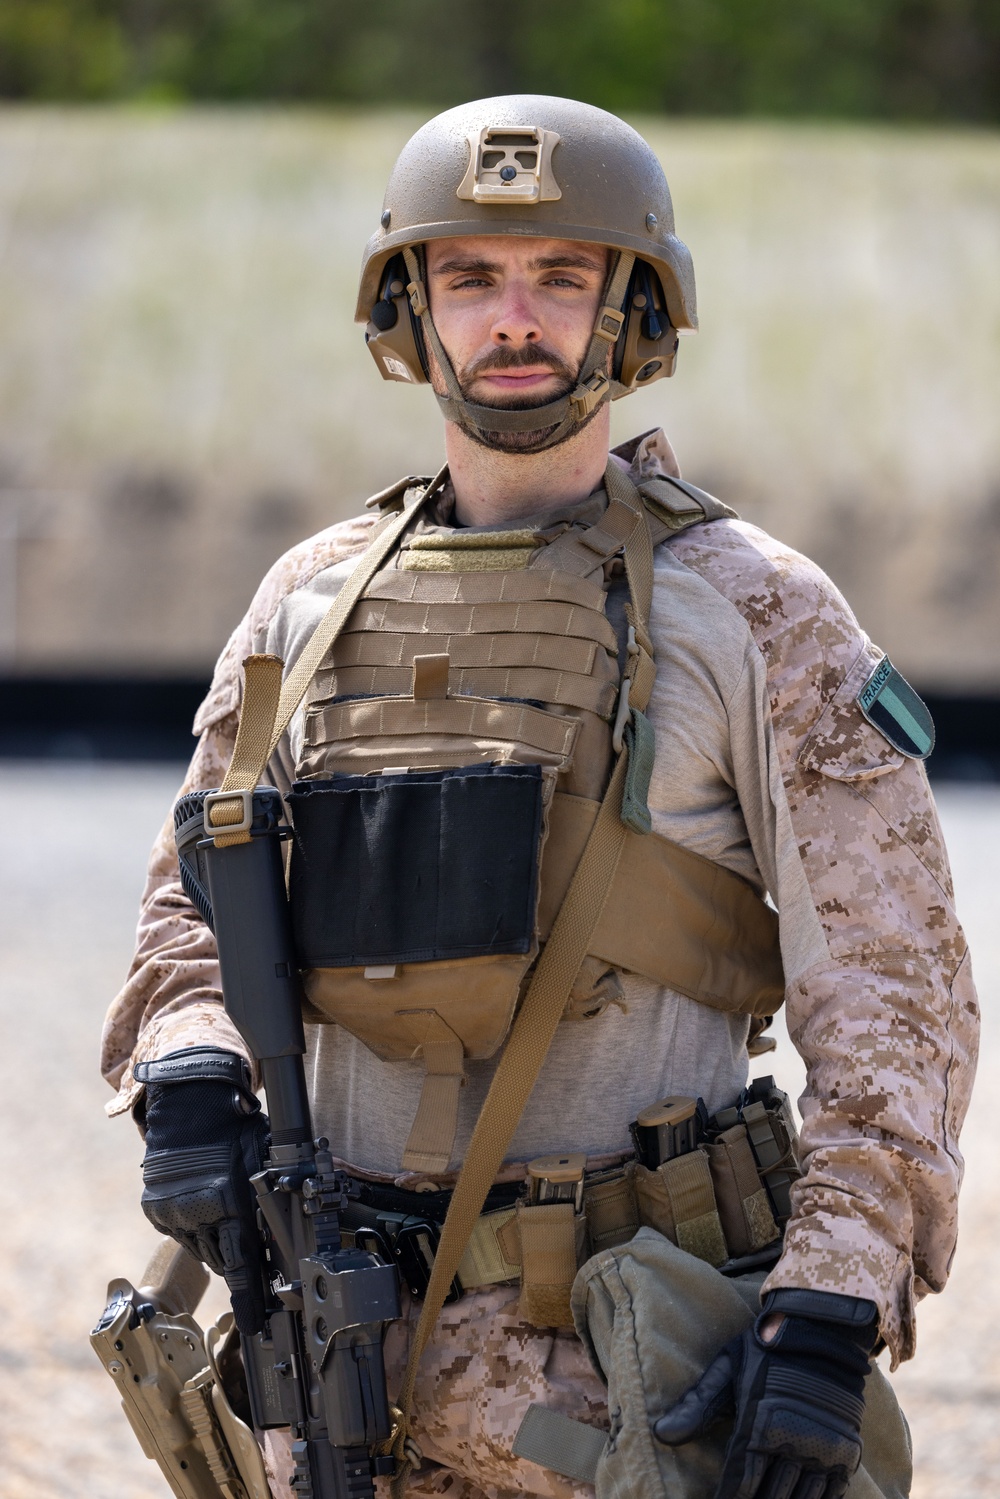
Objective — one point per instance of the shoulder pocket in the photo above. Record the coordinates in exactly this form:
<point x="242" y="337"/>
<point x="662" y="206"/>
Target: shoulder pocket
<point x="842" y="743"/>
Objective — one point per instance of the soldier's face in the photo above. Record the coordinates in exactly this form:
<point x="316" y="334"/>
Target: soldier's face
<point x="515" y="314"/>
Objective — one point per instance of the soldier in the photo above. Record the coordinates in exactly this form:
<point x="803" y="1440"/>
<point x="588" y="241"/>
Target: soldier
<point x="618" y="637"/>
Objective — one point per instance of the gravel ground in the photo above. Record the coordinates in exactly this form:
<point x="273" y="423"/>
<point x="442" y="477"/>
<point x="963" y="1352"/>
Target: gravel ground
<point x="69" y="880"/>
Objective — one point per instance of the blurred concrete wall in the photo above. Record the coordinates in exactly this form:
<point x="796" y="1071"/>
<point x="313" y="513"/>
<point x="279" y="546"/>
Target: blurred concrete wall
<point x="183" y="393"/>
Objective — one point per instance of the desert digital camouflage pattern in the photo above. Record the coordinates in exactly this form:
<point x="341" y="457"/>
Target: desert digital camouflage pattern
<point x="481" y="1370"/>
<point x="811" y="803"/>
<point x="887" y="1022"/>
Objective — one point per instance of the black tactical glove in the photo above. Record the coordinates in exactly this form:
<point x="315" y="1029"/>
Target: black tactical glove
<point x="798" y="1399"/>
<point x="205" y="1138"/>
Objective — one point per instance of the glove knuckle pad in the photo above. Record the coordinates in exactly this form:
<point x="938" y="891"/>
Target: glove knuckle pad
<point x="786" y="1432"/>
<point x="187" y="1212"/>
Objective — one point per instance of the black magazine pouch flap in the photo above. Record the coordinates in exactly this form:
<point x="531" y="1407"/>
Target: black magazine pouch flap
<point x="418" y="867"/>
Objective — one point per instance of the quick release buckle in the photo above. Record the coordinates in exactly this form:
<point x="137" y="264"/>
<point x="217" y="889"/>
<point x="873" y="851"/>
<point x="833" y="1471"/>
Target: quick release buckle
<point x="411" y="1244"/>
<point x="588" y="396"/>
<point x="417" y="293"/>
<point x="245" y="823"/>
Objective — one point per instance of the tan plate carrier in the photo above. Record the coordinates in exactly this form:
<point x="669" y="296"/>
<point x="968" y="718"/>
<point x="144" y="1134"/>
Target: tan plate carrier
<point x="448" y="648"/>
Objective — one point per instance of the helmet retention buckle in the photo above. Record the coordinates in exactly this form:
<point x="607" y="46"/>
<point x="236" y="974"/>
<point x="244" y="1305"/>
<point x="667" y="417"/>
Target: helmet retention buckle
<point x="589" y="395"/>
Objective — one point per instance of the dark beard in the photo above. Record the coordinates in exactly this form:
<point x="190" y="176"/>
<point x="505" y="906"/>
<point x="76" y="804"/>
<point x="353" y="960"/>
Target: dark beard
<point x="520" y="442"/>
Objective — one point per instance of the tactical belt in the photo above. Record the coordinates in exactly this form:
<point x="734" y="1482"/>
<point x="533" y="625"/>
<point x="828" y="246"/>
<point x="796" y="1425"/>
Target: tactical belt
<point x="723" y="1197"/>
<point x="492" y="1256"/>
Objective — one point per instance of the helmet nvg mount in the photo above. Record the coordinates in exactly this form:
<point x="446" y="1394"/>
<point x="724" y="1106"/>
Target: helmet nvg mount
<point x="531" y="164"/>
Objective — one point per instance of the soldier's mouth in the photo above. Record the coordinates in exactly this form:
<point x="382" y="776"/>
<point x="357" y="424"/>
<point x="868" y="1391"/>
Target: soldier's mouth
<point x="519" y="389"/>
<point x="519" y="379"/>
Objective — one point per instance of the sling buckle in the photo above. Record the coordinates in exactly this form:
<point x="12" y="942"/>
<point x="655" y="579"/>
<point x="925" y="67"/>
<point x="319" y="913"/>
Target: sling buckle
<point x="245" y="822"/>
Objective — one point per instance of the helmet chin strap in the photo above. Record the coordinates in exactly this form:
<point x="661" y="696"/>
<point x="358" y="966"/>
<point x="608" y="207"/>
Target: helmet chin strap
<point x="558" y="419"/>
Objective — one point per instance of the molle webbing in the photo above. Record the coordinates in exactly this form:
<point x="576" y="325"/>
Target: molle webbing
<point x="538" y="617"/>
<point x="434" y="719"/>
<point x="556" y="653"/>
<point x="511" y="680"/>
<point x="518" y="588"/>
<point x="532" y="636"/>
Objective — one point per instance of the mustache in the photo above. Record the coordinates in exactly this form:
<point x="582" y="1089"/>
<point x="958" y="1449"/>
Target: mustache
<point x="499" y="360"/>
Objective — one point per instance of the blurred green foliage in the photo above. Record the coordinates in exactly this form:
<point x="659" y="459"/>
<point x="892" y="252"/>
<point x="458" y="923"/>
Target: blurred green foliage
<point x="875" y="59"/>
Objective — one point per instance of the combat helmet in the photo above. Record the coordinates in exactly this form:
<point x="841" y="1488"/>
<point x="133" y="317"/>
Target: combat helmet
<point x="556" y="168"/>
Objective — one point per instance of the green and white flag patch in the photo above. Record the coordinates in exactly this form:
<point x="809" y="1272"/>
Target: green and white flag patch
<point x="889" y="703"/>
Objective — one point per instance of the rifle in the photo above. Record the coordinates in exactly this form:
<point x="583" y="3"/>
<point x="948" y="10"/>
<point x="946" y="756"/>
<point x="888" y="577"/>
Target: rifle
<point x="317" y="1365"/>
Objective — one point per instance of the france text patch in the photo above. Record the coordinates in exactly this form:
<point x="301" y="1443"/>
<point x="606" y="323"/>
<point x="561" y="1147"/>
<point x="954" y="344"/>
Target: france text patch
<point x="889" y="702"/>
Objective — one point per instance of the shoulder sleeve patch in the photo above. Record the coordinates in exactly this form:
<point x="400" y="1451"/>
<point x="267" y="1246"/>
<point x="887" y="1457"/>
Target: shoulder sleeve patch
<point x="890" y="704"/>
